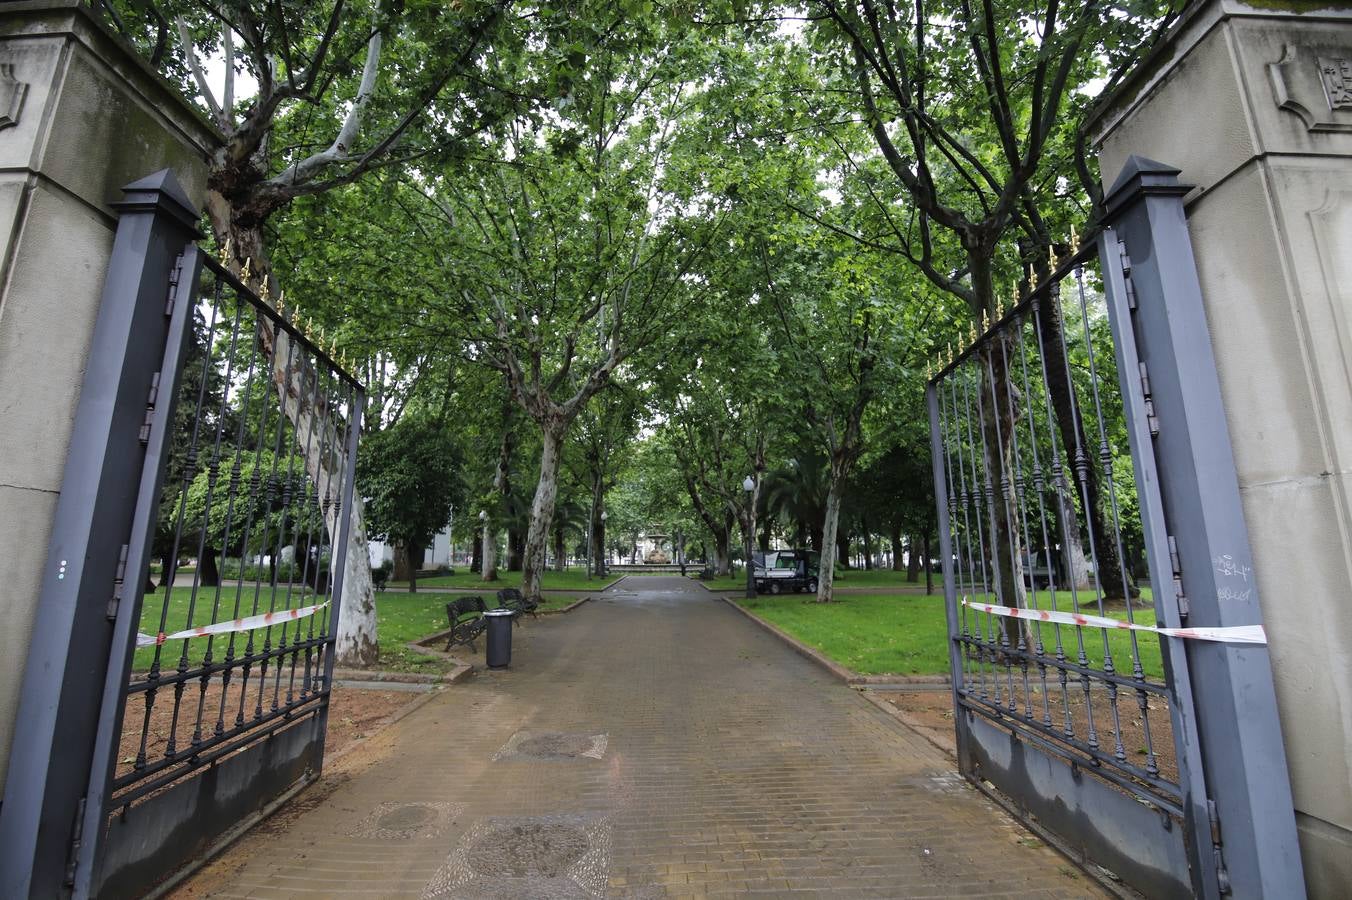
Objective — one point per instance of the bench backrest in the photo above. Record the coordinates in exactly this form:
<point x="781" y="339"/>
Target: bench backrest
<point x="464" y="606"/>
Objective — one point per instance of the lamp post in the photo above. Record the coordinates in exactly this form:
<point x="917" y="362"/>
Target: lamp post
<point x="591" y="521"/>
<point x="749" y="485"/>
<point x="603" y="556"/>
<point x="489" y="565"/>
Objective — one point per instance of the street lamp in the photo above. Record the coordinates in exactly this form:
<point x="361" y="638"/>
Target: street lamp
<point x="485" y="551"/>
<point x="749" y="485"/>
<point x="604" y="556"/>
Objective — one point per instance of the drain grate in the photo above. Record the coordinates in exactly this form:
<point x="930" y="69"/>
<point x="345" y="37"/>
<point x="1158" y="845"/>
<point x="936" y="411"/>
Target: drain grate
<point x="553" y="745"/>
<point x="397" y="821"/>
<point x="542" y="857"/>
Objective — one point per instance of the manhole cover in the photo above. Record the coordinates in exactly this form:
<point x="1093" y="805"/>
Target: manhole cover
<point x="393" y="820"/>
<point x="406" y="817"/>
<point x="517" y="889"/>
<point x="547" y="745"/>
<point x="535" y="848"/>
<point x="541" y="857"/>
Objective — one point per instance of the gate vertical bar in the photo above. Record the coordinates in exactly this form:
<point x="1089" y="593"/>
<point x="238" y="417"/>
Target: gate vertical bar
<point x="1252" y="825"/>
<point x="63" y="684"/>
<point x="955" y="651"/>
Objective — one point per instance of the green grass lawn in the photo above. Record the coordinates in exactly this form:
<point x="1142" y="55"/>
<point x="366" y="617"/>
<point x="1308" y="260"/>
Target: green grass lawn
<point x="876" y="634"/>
<point x="177" y="619"/>
<point x="401" y="617"/>
<point x="571" y="580"/>
<point x="726" y="583"/>
<point x="847" y="578"/>
<point x="853" y="578"/>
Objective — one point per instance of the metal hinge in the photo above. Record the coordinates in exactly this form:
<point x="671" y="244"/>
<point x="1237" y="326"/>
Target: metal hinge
<point x="1214" y="820"/>
<point x="151" y="397"/>
<point x="1178" y="578"/>
<point x="175" y="274"/>
<point x="74" y="857"/>
<point x="1150" y="419"/>
<point x="1126" y="273"/>
<point x="119" y="578"/>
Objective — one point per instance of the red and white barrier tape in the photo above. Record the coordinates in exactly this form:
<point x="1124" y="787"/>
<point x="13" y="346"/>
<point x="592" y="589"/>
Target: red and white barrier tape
<point x="1234" y="634"/>
<point x="262" y="620"/>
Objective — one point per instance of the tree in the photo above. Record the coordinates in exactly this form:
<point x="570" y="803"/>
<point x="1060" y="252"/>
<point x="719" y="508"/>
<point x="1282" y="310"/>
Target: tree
<point x="971" y="105"/>
<point x="571" y="255"/>
<point x="608" y="423"/>
<point x="306" y="131"/>
<point x="410" y="477"/>
<point x="839" y="327"/>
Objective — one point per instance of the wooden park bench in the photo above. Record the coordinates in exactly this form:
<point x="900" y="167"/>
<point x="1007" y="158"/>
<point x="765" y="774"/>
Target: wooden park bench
<point x="466" y="615"/>
<point x="510" y="598"/>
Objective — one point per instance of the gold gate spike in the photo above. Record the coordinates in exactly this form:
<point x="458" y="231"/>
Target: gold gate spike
<point x="225" y="251"/>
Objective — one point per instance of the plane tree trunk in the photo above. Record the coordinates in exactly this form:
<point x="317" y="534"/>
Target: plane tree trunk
<point x="542" y="507"/>
<point x="826" y="573"/>
<point x="1083" y="473"/>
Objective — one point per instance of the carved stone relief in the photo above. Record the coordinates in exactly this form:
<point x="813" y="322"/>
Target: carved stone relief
<point x="1337" y="75"/>
<point x="12" y="93"/>
<point x="1316" y="85"/>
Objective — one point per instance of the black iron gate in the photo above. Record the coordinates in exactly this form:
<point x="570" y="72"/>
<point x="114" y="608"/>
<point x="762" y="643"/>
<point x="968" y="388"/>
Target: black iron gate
<point x="1062" y="516"/>
<point x="226" y="702"/>
<point x="236" y="471"/>
<point x="1021" y="420"/>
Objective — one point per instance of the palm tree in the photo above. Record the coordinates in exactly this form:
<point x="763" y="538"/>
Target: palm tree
<point x="796" y="496"/>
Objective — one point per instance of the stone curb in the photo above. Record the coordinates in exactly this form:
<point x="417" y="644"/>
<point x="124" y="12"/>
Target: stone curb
<point x="489" y="586"/>
<point x="405" y="710"/>
<point x="566" y="609"/>
<point x="462" y="670"/>
<point x="376" y="675"/>
<point x="949" y="747"/>
<point x="796" y="645"/>
<point x="849" y="676"/>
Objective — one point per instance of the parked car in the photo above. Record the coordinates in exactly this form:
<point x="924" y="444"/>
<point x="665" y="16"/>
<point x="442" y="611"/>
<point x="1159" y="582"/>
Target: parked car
<point x="780" y="571"/>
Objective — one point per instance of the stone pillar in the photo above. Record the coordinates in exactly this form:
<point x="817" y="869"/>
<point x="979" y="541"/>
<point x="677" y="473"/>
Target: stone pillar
<point x="80" y="116"/>
<point x="1253" y="102"/>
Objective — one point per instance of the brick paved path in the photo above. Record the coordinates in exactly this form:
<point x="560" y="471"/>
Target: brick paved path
<point x="652" y="743"/>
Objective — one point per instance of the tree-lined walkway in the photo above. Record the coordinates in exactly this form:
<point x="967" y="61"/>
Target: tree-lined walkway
<point x="653" y="743"/>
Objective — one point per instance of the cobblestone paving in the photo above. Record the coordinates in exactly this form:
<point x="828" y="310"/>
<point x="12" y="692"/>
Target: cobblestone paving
<point x="657" y="745"/>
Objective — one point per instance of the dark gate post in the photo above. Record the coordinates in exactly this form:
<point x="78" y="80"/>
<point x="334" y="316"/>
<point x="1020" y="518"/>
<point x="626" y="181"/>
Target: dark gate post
<point x="1252" y="826"/>
<point x="53" y="749"/>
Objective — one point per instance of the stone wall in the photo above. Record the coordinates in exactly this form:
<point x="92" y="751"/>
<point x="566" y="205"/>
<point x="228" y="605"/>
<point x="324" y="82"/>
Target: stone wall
<point x="80" y="116"/>
<point x="1241" y="101"/>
